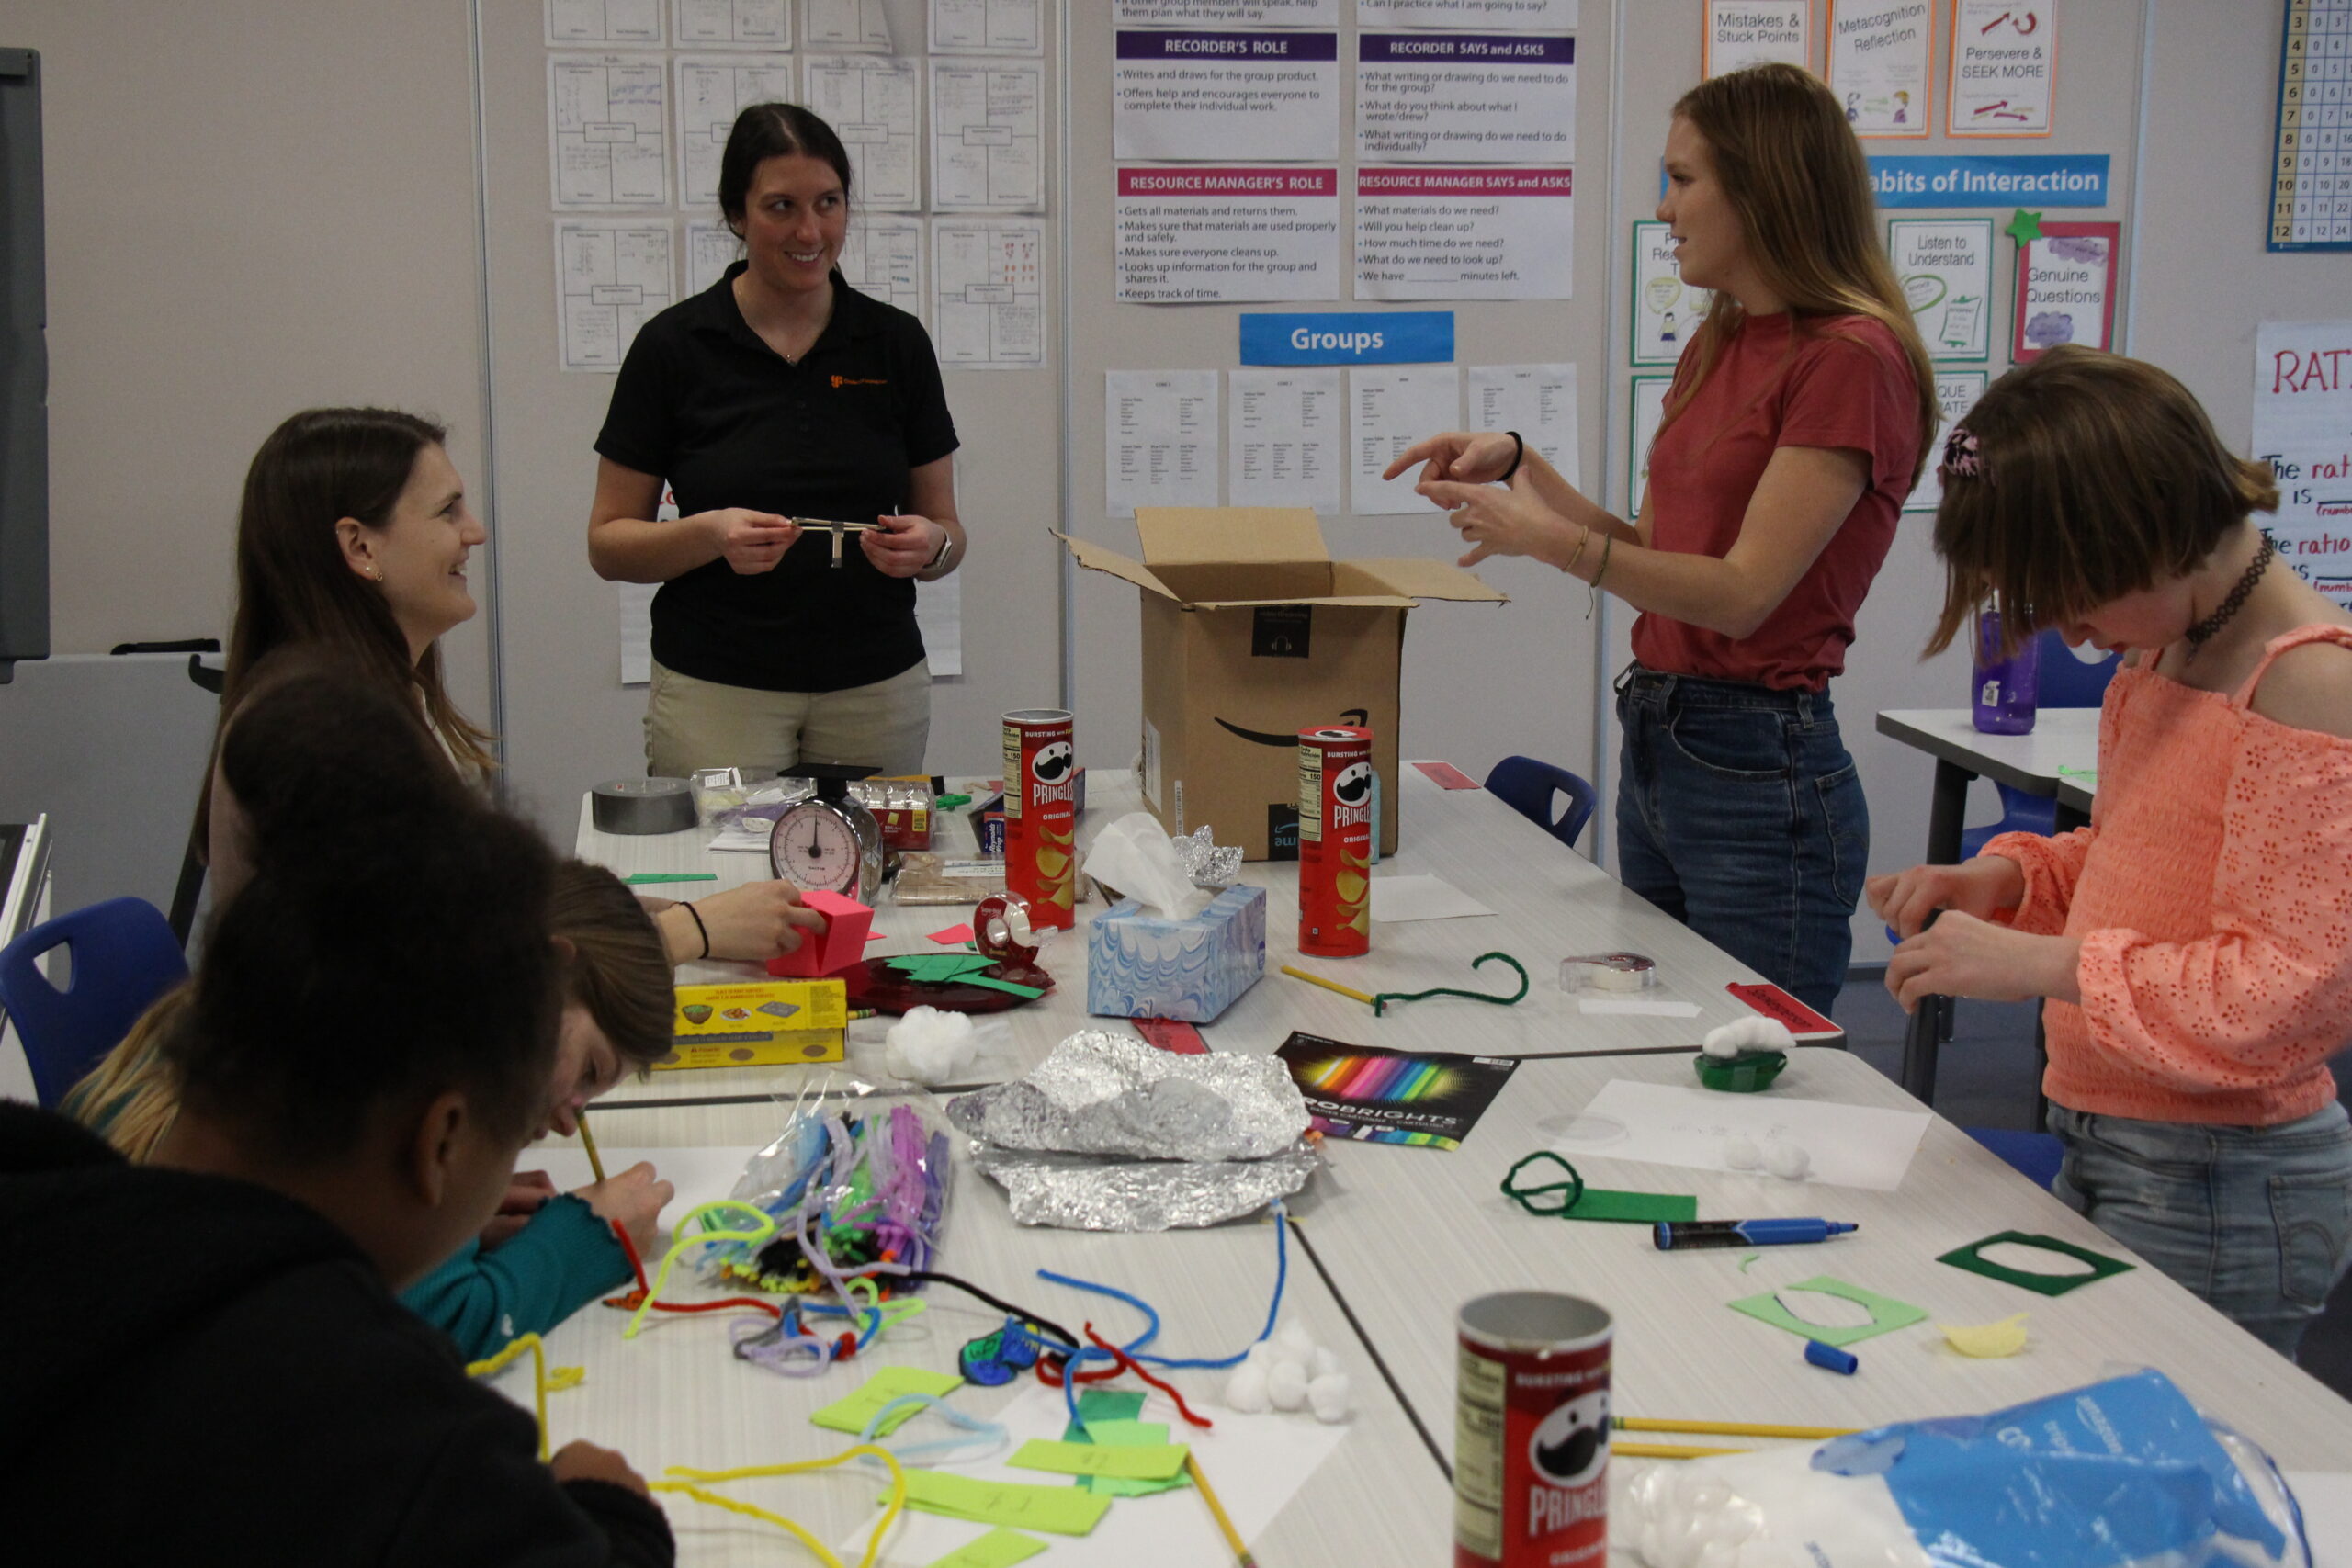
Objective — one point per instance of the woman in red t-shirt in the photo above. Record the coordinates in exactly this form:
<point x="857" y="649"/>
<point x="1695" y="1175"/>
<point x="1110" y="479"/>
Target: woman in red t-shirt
<point x="1796" y="426"/>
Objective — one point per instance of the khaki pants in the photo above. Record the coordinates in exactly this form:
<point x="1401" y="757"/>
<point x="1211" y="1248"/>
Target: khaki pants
<point x="692" y="724"/>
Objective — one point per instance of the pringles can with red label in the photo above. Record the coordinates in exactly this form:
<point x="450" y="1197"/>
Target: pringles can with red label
<point x="1041" y="814"/>
<point x="1531" y="1433"/>
<point x="1335" y="790"/>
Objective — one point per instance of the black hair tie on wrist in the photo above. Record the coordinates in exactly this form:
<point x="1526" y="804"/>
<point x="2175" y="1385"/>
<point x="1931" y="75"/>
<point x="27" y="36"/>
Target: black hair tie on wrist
<point x="1518" y="456"/>
<point x="695" y="916"/>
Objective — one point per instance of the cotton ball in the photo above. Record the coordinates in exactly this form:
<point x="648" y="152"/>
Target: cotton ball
<point x="1329" y="1396"/>
<point x="1261" y="1355"/>
<point x="1747" y="1034"/>
<point x="929" y="1047"/>
<point x="1787" y="1161"/>
<point x="1293" y="1343"/>
<point x="1246" y="1391"/>
<point x="1741" y="1154"/>
<point x="1286" y="1386"/>
<point x="1324" y="1363"/>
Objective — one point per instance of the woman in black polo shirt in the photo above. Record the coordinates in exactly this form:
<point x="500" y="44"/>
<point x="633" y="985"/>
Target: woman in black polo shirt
<point x="781" y="392"/>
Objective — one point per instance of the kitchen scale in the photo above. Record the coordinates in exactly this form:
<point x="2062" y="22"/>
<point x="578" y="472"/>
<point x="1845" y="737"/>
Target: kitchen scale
<point x="830" y="844"/>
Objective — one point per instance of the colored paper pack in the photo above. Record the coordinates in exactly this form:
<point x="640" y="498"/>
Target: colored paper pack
<point x="1147" y="1462"/>
<point x="1057" y="1510"/>
<point x="1969" y="1258"/>
<point x="1000" y="1547"/>
<point x="1886" y="1313"/>
<point x="1430" y="1098"/>
<point x="851" y="1415"/>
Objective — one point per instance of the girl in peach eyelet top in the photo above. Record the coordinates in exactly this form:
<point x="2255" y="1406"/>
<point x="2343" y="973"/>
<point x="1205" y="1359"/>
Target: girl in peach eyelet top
<point x="2194" y="941"/>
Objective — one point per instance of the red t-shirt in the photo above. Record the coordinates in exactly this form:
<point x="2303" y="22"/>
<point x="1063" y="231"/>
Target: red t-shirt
<point x="1836" y="381"/>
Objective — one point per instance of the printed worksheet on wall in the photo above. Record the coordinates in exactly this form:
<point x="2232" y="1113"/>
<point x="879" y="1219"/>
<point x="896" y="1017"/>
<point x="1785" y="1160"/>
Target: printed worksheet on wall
<point x="848" y="24"/>
<point x="1226" y="97"/>
<point x="1462" y="97"/>
<point x="1465" y="233"/>
<point x="1532" y="13"/>
<point x="1537" y="400"/>
<point x="987" y="136"/>
<point x="711" y="93"/>
<point x="875" y="102"/>
<point x="611" y="276"/>
<point x="1226" y="13"/>
<point x="1159" y="431"/>
<point x="711" y="249"/>
<point x="1390" y="406"/>
<point x="988" y="293"/>
<point x="574" y="23"/>
<point x="733" y="23"/>
<point x="1879" y="51"/>
<point x="607" y="131"/>
<point x="987" y="27"/>
<point x="1286" y="432"/>
<point x="883" y="256"/>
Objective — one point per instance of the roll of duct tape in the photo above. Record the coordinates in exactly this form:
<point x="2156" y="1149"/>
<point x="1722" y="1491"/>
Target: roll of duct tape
<point x="643" y="805"/>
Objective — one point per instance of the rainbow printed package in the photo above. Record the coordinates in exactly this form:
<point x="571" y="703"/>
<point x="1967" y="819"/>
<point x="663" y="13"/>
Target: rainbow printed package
<point x="1429" y="1098"/>
<point x="756" y="1023"/>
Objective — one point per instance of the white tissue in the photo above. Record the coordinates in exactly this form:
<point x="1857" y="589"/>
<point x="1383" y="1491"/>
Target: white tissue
<point x="1135" y="855"/>
<point x="1328" y="1397"/>
<point x="929" y="1047"/>
<point x="1286" y="1386"/>
<point x="1741" y="1154"/>
<point x="1787" y="1161"/>
<point x="1749" y="1035"/>
<point x="1246" y="1391"/>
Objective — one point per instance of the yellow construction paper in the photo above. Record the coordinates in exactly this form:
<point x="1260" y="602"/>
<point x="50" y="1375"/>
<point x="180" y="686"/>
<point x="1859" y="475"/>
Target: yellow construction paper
<point x="1059" y="1510"/>
<point x="851" y="1414"/>
<point x="1988" y="1341"/>
<point x="1000" y="1548"/>
<point x="1157" y="1461"/>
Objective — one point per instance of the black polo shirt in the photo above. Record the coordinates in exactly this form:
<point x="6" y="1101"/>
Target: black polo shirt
<point x="701" y="402"/>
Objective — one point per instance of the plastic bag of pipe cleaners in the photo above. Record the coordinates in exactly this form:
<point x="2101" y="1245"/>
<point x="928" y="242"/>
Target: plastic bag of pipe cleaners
<point x="2125" y="1473"/>
<point x="857" y="1185"/>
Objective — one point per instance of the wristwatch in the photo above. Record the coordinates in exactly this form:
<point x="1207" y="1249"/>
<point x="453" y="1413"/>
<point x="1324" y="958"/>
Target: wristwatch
<point x="946" y="549"/>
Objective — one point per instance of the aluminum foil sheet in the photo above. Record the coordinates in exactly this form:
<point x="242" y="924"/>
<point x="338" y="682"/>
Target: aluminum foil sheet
<point x="1099" y="1093"/>
<point x="1204" y="862"/>
<point x="1092" y="1193"/>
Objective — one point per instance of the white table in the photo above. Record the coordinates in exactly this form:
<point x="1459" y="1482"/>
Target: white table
<point x="1549" y="902"/>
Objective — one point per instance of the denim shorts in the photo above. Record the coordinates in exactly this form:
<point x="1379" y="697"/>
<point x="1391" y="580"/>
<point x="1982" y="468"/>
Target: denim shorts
<point x="2256" y="1221"/>
<point x="1740" y="814"/>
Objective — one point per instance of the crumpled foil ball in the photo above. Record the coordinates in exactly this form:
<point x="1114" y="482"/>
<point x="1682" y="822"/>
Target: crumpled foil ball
<point x="1100" y="1093"/>
<point x="1204" y="862"/>
<point x="1097" y="1192"/>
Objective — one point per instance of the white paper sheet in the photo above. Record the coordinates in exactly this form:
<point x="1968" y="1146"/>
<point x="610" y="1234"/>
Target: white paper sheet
<point x="711" y="249"/>
<point x="733" y="23"/>
<point x="572" y="23"/>
<point x="1956" y="393"/>
<point x="1160" y="439"/>
<point x="1946" y="268"/>
<point x="1226" y="97"/>
<point x="848" y="24"/>
<point x="1465" y="98"/>
<point x="875" y="102"/>
<point x="1390" y="406"/>
<point x="1285" y="439"/>
<point x="2326" y="1502"/>
<point x="2004" y="67"/>
<point x="1741" y="33"/>
<point x="1399" y="899"/>
<point x="611" y="276"/>
<point x="700" y="1175"/>
<point x="987" y="136"/>
<point x="636" y="600"/>
<point x="1537" y="400"/>
<point x="1666" y="308"/>
<point x="1200" y="235"/>
<point x="712" y="90"/>
<point x="607" y="131"/>
<point x="887" y="258"/>
<point x="1425" y="234"/>
<point x="1649" y="408"/>
<point x="1256" y="1462"/>
<point x="1879" y="51"/>
<point x="1497" y="14"/>
<point x="1226" y="13"/>
<point x="987" y="27"/>
<point x="988" y="291"/>
<point x="938" y="615"/>
<point x="2302" y="409"/>
<point x="1851" y="1146"/>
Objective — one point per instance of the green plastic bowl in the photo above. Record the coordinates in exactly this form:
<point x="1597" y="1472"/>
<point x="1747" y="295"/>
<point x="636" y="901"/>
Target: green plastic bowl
<point x="1743" y="1074"/>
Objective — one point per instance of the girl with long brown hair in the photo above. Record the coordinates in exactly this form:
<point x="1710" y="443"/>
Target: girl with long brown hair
<point x="1797" y="423"/>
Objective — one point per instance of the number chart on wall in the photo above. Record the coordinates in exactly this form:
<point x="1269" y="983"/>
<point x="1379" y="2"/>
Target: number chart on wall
<point x="2311" y="195"/>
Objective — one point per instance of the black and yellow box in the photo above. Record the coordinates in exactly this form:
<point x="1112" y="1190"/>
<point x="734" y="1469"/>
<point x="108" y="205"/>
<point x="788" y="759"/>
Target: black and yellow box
<point x="757" y="1024"/>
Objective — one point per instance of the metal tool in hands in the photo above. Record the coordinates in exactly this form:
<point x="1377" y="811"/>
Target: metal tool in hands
<point x="837" y="530"/>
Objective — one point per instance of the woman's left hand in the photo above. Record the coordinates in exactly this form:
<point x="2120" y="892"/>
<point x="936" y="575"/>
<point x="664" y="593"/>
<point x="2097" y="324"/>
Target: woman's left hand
<point x="1960" y="955"/>
<point x="1503" y="520"/>
<point x="904" y="546"/>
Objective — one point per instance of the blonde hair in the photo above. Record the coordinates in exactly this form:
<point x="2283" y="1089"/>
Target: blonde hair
<point x="1792" y="170"/>
<point x="2083" y="477"/>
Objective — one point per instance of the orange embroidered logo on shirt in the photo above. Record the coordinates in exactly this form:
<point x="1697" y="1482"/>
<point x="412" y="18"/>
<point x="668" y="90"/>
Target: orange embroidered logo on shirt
<point x="859" y="381"/>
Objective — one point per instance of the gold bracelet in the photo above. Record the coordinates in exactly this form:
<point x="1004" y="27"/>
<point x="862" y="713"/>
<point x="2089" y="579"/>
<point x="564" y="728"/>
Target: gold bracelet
<point x="1583" y="539"/>
<point x="1592" y="588"/>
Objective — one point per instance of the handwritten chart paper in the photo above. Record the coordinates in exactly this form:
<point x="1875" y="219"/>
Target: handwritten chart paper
<point x="1851" y="1146"/>
<point x="2302" y="428"/>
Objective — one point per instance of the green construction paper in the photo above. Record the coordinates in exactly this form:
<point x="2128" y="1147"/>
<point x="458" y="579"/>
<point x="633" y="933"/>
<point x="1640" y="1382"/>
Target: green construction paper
<point x="2102" y="1266"/>
<point x="649" y="878"/>
<point x="1000" y="1547"/>
<point x="993" y="984"/>
<point x="1107" y="1404"/>
<point x="851" y="1414"/>
<point x="1631" y="1208"/>
<point x="1132" y="1433"/>
<point x="1155" y="1461"/>
<point x="2025" y="228"/>
<point x="1057" y="1510"/>
<point x="939" y="967"/>
<point x="1886" y="1313"/>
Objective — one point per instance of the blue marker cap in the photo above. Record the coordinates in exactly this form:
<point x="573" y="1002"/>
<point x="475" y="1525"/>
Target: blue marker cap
<point x="1830" y="1357"/>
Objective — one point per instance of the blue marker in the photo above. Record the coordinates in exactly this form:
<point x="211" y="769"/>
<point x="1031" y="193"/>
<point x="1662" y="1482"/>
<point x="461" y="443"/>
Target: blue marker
<point x="1674" y="1234"/>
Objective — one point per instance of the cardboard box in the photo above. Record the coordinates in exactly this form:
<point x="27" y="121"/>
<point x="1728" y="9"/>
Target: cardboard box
<point x="1146" y="965"/>
<point x="1251" y="633"/>
<point x="756" y="1023"/>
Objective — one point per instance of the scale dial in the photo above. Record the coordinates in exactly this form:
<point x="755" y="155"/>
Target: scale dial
<point x="823" y="846"/>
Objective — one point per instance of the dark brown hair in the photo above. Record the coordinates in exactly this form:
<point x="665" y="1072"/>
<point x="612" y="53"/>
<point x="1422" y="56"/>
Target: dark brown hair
<point x="619" y="969"/>
<point x="1791" y="168"/>
<point x="773" y="131"/>
<point x="2096" y="477"/>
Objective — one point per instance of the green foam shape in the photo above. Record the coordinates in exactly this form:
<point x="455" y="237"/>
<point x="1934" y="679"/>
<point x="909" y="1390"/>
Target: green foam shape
<point x="1631" y="1208"/>
<point x="2102" y="1266"/>
<point x="1887" y="1314"/>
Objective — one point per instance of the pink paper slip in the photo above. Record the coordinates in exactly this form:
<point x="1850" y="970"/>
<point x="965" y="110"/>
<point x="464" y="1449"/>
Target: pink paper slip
<point x="953" y="936"/>
<point x="1445" y="775"/>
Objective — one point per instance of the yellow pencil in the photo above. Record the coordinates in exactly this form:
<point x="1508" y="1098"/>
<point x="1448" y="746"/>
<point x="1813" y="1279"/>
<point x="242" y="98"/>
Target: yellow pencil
<point x="1726" y="1428"/>
<point x="1668" y="1450"/>
<point x="1208" y="1495"/>
<point x="1329" y="985"/>
<point x="588" y="1142"/>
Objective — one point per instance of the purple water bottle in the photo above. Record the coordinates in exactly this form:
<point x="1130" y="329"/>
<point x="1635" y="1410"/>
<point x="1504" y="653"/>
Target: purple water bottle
<point x="2004" y="687"/>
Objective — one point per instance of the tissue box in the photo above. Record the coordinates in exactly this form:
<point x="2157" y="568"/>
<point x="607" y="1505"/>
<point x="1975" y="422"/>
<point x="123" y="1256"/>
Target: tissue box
<point x="1140" y="964"/>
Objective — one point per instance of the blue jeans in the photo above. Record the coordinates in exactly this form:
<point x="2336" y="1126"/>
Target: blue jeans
<point x="1740" y="814"/>
<point x="2256" y="1221"/>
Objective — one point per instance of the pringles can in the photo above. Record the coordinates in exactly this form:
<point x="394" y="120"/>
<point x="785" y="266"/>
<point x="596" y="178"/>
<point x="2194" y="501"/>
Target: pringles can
<point x="1335" y="808"/>
<point x="1041" y="814"/>
<point x="1530" y="1432"/>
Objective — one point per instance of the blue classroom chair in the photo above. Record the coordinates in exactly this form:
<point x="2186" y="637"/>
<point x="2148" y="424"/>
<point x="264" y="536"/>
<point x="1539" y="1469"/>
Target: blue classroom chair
<point x="123" y="956"/>
<point x="1534" y="789"/>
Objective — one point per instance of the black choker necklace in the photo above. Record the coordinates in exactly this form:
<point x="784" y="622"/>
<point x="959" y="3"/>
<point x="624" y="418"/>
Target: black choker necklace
<point x="2203" y="632"/>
